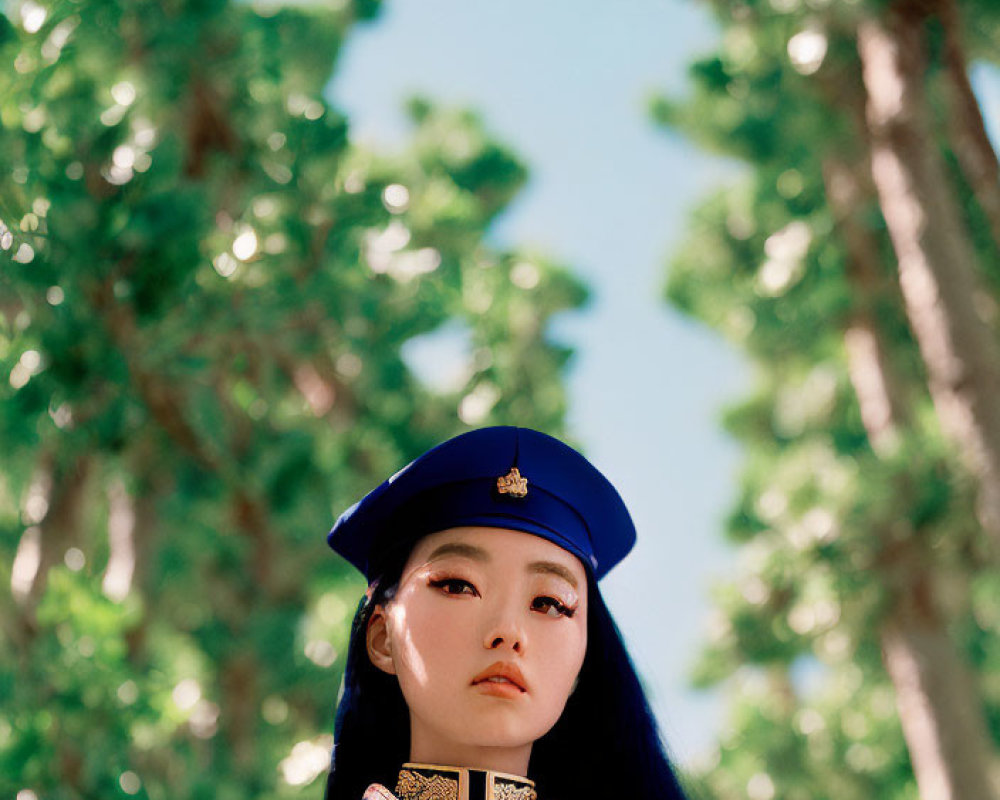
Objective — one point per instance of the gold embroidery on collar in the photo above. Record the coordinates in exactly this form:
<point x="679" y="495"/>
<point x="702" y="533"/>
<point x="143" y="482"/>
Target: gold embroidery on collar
<point x="414" y="785"/>
<point x="512" y="791"/>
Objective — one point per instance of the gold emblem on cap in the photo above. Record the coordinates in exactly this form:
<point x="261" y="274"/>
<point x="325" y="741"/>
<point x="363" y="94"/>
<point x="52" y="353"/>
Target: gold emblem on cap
<point x="513" y="484"/>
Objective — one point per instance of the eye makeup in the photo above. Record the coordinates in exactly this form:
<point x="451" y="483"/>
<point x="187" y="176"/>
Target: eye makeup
<point x="453" y="586"/>
<point x="549" y="604"/>
<point x="543" y="603"/>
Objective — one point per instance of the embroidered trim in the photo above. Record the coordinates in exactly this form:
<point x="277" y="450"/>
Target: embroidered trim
<point x="414" y="786"/>
<point x="502" y="790"/>
<point x="448" y="783"/>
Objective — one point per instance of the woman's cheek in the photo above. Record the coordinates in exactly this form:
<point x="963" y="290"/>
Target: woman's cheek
<point x="563" y="657"/>
<point x="425" y="636"/>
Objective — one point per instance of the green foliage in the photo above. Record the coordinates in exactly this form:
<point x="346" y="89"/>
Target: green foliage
<point x="201" y="336"/>
<point x="795" y="636"/>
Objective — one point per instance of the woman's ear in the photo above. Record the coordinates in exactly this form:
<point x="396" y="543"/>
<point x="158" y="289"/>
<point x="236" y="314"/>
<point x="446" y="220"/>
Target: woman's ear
<point x="379" y="642"/>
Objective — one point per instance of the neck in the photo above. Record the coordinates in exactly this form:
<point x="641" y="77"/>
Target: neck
<point x="428" y="749"/>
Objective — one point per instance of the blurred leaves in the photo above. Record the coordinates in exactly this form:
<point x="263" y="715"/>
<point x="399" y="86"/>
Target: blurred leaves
<point x="834" y="527"/>
<point x="202" y="338"/>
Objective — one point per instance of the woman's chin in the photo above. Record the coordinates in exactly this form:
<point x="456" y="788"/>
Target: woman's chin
<point x="495" y="730"/>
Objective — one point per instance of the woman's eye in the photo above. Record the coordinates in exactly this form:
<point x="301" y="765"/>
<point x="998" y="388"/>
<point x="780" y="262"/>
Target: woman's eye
<point x="454" y="586"/>
<point x="551" y="607"/>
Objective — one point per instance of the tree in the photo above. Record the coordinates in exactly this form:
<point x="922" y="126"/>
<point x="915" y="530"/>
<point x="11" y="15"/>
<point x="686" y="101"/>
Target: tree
<point x="202" y="330"/>
<point x="867" y="576"/>
<point x="935" y="256"/>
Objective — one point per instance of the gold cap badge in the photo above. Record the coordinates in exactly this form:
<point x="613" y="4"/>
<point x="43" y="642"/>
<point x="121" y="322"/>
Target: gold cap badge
<point x="512" y="484"/>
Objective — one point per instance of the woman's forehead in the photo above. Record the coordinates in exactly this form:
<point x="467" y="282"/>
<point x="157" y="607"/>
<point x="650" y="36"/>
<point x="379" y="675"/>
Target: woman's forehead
<point x="501" y="545"/>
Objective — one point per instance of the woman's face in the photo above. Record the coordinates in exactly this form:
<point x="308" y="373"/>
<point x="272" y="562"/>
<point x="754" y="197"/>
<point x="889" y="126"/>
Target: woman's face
<point x="474" y="602"/>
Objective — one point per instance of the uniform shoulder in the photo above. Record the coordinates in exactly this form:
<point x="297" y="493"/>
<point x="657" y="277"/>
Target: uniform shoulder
<point x="378" y="792"/>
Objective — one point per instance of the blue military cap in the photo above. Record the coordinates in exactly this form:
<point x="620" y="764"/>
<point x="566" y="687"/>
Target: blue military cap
<point x="500" y="477"/>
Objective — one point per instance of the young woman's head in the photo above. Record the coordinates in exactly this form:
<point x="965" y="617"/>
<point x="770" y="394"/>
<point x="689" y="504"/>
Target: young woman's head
<point x="486" y="634"/>
<point x="483" y="640"/>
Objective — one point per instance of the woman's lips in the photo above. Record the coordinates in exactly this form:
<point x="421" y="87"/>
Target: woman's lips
<point x="501" y="677"/>
<point x="499" y="688"/>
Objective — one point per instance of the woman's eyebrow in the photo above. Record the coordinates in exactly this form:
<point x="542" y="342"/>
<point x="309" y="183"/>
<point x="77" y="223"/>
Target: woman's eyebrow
<point x="459" y="549"/>
<point x="479" y="554"/>
<point x="551" y="568"/>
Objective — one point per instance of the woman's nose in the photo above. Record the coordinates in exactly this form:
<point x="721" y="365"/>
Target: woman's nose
<point x="505" y="632"/>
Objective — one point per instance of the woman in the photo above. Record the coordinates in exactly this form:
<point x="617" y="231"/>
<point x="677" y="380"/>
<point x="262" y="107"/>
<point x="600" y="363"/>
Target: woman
<point x="483" y="663"/>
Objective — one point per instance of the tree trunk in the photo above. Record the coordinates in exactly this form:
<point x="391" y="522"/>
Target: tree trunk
<point x="935" y="257"/>
<point x="54" y="503"/>
<point x="935" y="693"/>
<point x="144" y="505"/>
<point x="966" y="129"/>
<point x="240" y="704"/>
<point x="121" y="542"/>
<point x="882" y="401"/>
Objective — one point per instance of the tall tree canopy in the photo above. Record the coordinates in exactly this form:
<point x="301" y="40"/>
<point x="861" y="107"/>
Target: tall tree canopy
<point x="857" y="265"/>
<point x="206" y="297"/>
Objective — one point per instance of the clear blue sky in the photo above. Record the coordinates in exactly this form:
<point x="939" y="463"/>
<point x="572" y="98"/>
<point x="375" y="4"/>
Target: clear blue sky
<point x="565" y="84"/>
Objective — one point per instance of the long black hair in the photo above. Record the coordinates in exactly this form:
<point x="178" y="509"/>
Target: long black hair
<point x="605" y="744"/>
